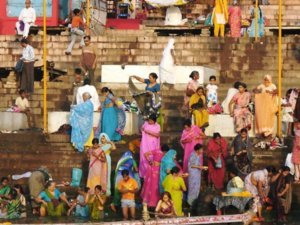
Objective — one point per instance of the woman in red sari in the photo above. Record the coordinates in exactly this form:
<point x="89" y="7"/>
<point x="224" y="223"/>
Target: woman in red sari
<point x="191" y="136"/>
<point x="216" y="154"/>
<point x="235" y="17"/>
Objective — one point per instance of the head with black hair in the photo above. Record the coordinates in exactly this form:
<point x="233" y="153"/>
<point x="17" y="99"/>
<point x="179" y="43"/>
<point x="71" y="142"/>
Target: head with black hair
<point x="24" y="42"/>
<point x="233" y="172"/>
<point x="198" y="148"/>
<point x="236" y="84"/>
<point x="76" y="12"/>
<point x="4" y="181"/>
<point x="242" y="87"/>
<point x="125" y="175"/>
<point x="244" y="133"/>
<point x="86" y="81"/>
<point x="165" y="148"/>
<point x="212" y="79"/>
<point x="194" y="75"/>
<point x="187" y="124"/>
<point x="105" y="91"/>
<point x="271" y="170"/>
<point x="152" y="119"/>
<point x="175" y="170"/>
<point x="152" y="78"/>
<point x="51" y="185"/>
<point x="285" y="170"/>
<point x="95" y="141"/>
<point x="98" y="189"/>
<point x="200" y="91"/>
<point x="13" y="194"/>
<point x="216" y="135"/>
<point x="18" y="188"/>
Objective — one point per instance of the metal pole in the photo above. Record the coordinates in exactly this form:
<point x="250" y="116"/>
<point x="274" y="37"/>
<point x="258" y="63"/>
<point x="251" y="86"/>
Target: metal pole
<point x="279" y="131"/>
<point x="88" y="13"/>
<point x="256" y="19"/>
<point x="45" y="122"/>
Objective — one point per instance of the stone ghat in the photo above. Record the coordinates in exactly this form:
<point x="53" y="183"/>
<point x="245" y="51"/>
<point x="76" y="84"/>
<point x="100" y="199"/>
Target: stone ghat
<point x="234" y="59"/>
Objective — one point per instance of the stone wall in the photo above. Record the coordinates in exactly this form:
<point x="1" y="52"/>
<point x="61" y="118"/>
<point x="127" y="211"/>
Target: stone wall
<point x="235" y="59"/>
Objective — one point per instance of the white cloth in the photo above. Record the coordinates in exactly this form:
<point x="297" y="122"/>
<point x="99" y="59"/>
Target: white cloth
<point x="166" y="66"/>
<point x="287" y="112"/>
<point x="22" y="103"/>
<point x="20" y="176"/>
<point x="28" y="53"/>
<point x="28" y="16"/>
<point x="75" y="32"/>
<point x="165" y="3"/>
<point x="94" y="95"/>
<point x="212" y="95"/>
<point x="225" y="104"/>
<point x="289" y="163"/>
<point x="173" y="16"/>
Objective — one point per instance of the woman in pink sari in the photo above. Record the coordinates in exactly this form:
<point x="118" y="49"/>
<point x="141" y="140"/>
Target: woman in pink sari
<point x="241" y="113"/>
<point x="235" y="17"/>
<point x="150" y="192"/>
<point x="191" y="136"/>
<point x="97" y="166"/>
<point x="216" y="154"/>
<point x="150" y="141"/>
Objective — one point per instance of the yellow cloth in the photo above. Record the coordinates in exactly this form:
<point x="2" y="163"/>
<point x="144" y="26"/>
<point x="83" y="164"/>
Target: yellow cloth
<point x="175" y="187"/>
<point x="237" y="182"/>
<point x="88" y="143"/>
<point x="131" y="185"/>
<point x="220" y="10"/>
<point x="244" y="194"/>
<point x="195" y="99"/>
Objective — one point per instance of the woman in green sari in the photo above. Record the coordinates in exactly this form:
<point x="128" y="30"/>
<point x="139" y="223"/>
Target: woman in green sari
<point x="53" y="201"/>
<point x="12" y="207"/>
<point x="4" y="188"/>
<point x="96" y="203"/>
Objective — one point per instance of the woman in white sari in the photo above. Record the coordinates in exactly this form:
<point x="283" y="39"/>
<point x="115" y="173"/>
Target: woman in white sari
<point x="166" y="66"/>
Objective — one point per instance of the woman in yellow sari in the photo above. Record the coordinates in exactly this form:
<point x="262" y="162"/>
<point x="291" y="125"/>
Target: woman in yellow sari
<point x="265" y="107"/>
<point x="198" y="108"/>
<point x="174" y="184"/>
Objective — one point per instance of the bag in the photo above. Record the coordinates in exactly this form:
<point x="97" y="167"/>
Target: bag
<point x="220" y="18"/>
<point x="19" y="66"/>
<point x="218" y="164"/>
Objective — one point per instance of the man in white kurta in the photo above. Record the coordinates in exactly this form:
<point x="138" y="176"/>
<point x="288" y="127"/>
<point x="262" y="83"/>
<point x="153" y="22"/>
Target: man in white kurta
<point x="92" y="91"/>
<point x="27" y="19"/>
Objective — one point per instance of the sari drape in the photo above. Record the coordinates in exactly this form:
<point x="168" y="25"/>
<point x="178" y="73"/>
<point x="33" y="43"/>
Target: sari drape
<point x="97" y="170"/>
<point x="81" y="120"/>
<point x="242" y="115"/>
<point x="234" y="20"/>
<point x="126" y="162"/>
<point x="265" y="109"/>
<point x="175" y="187"/>
<point x="201" y="116"/>
<point x="55" y="207"/>
<point x="214" y="150"/>
<point x="150" y="192"/>
<point x="148" y="143"/>
<point x="167" y="163"/>
<point x="193" y="135"/>
<point x="194" y="179"/>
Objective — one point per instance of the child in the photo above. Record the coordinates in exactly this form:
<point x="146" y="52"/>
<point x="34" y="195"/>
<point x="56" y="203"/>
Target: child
<point x="80" y="204"/>
<point x="127" y="187"/>
<point x="212" y="95"/>
<point x="287" y="113"/>
<point x="76" y="30"/>
<point x="22" y="199"/>
<point x="96" y="203"/>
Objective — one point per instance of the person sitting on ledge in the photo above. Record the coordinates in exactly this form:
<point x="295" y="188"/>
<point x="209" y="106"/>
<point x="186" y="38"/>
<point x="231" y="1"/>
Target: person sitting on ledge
<point x="27" y="19"/>
<point x="53" y="201"/>
<point x="23" y="107"/>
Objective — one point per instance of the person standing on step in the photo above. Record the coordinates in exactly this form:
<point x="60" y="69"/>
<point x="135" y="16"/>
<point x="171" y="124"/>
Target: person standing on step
<point x="76" y="30"/>
<point x="28" y="58"/>
<point x="89" y="59"/>
<point x="220" y="17"/>
<point x="27" y="19"/>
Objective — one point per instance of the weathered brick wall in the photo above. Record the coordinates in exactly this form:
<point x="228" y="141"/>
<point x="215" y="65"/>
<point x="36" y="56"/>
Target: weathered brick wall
<point x="235" y="59"/>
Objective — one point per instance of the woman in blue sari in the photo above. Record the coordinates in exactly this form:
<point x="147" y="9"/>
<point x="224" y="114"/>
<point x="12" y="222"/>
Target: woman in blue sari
<point x="81" y="121"/>
<point x="167" y="163"/>
<point x="260" y="22"/>
<point x="126" y="162"/>
<point x="109" y="116"/>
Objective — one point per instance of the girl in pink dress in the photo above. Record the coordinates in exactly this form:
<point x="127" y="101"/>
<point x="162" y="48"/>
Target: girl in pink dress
<point x="150" y="141"/>
<point x="191" y="136"/>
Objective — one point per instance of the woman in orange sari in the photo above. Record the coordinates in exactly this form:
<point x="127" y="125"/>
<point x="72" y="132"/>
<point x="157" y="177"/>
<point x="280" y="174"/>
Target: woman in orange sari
<point x="265" y="107"/>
